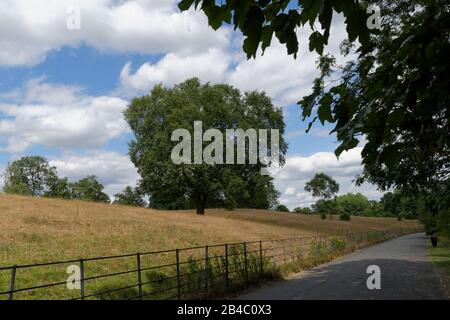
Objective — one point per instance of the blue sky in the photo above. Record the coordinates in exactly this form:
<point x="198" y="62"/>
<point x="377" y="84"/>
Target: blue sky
<point x="62" y="91"/>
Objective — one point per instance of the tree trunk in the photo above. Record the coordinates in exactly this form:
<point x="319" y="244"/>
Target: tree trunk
<point x="201" y="199"/>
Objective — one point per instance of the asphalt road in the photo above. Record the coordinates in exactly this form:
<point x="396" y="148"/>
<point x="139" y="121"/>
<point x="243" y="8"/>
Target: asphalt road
<point x="406" y="273"/>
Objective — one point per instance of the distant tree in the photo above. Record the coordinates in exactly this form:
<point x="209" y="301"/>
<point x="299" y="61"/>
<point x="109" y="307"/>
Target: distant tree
<point x="322" y="186"/>
<point x="130" y="196"/>
<point x="375" y="209"/>
<point x="154" y="118"/>
<point x="282" y="208"/>
<point x="304" y="210"/>
<point x="390" y="202"/>
<point x="354" y="204"/>
<point x="59" y="188"/>
<point x="89" y="189"/>
<point x="29" y="175"/>
<point x="327" y="207"/>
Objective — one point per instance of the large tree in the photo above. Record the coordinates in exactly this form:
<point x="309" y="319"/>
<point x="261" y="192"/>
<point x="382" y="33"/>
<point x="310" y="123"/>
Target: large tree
<point x="29" y="175"/>
<point x="155" y="117"/>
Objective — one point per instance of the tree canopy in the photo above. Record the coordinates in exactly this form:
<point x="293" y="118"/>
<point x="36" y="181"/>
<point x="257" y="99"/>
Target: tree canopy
<point x="395" y="97"/>
<point x="353" y="204"/>
<point x="259" y="21"/>
<point x="34" y="176"/>
<point x="322" y="186"/>
<point x="89" y="189"/>
<point x="29" y="175"/>
<point x="154" y="118"/>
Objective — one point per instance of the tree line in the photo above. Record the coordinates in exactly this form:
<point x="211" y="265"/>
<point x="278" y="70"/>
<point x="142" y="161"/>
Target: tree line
<point x="34" y="176"/>
<point x="391" y="204"/>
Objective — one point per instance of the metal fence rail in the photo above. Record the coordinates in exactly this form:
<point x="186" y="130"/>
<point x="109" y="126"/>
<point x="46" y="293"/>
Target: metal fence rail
<point x="194" y="272"/>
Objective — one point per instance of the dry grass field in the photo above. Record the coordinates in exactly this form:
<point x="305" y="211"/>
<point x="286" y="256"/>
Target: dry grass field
<point x="36" y="230"/>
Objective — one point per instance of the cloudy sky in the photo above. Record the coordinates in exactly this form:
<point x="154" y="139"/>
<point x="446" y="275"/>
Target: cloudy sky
<point x="63" y="89"/>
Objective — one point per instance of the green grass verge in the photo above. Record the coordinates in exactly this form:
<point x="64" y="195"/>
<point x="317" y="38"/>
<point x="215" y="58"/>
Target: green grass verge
<point x="440" y="257"/>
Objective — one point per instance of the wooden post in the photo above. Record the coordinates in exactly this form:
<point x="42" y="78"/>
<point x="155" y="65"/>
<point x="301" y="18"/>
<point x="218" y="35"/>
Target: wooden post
<point x="12" y="282"/>
<point x="82" y="279"/>
<point x="227" y="278"/>
<point x="206" y="269"/>
<point x="138" y="256"/>
<point x="177" y="253"/>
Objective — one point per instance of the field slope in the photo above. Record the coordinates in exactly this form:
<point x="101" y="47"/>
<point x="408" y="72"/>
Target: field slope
<point x="41" y="230"/>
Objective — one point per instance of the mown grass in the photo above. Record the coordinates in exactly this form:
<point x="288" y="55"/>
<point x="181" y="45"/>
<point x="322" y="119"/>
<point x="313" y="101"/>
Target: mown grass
<point x="440" y="257"/>
<point x="35" y="230"/>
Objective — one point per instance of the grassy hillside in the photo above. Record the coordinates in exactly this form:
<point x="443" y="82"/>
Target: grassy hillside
<point x="40" y="230"/>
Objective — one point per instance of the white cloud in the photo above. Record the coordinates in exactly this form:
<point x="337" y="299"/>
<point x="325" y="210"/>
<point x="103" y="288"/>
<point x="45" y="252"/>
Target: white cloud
<point x="173" y="68"/>
<point x="289" y="191"/>
<point x="299" y="169"/>
<point x="60" y="116"/>
<point x="114" y="170"/>
<point x="29" y="30"/>
<point x="282" y="77"/>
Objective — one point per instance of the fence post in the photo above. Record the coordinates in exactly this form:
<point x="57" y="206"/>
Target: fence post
<point x="300" y="251"/>
<point x="12" y="281"/>
<point x="227" y="280"/>
<point x="82" y="279"/>
<point x="177" y="253"/>
<point x="245" y="261"/>
<point x="292" y="251"/>
<point x="138" y="256"/>
<point x="261" y="258"/>
<point x="273" y="253"/>
<point x="206" y="269"/>
<point x="284" y="252"/>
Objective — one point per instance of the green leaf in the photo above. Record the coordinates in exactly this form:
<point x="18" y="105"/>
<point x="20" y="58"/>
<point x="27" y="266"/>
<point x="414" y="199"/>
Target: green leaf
<point x="185" y="4"/>
<point x="266" y="37"/>
<point x="316" y="42"/>
<point x="324" y="110"/>
<point x="325" y="17"/>
<point x="346" y="145"/>
<point x="252" y="29"/>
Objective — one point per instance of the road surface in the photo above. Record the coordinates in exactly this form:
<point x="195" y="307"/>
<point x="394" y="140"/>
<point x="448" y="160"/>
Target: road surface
<point x="406" y="273"/>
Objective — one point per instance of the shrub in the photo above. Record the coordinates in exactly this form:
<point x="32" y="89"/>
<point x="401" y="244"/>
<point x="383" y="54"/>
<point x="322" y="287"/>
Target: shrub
<point x="337" y="244"/>
<point x="344" y="216"/>
<point x="354" y="204"/>
<point x="327" y="207"/>
<point x="305" y="210"/>
<point x="282" y="208"/>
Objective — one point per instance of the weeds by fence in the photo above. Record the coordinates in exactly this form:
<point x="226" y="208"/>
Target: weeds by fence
<point x="189" y="273"/>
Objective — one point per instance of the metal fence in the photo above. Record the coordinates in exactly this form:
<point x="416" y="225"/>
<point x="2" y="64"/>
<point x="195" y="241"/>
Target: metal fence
<point x="187" y="273"/>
